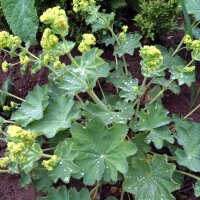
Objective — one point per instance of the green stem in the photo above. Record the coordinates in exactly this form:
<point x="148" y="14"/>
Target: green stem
<point x="46" y="155"/>
<point x="2" y="139"/>
<point x="122" y="195"/>
<point x="48" y="149"/>
<point x="178" y="47"/>
<point x="119" y="44"/>
<point x="161" y="92"/>
<point x="68" y="53"/>
<point x="9" y="122"/>
<point x="4" y="171"/>
<point x="12" y="95"/>
<point x="101" y="90"/>
<point x="79" y="98"/>
<point x="190" y="113"/>
<point x="94" y="190"/>
<point x="97" y="100"/>
<point x="188" y="174"/>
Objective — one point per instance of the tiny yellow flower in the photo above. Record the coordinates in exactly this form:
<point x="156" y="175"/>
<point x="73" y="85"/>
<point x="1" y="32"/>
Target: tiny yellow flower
<point x="12" y="104"/>
<point x="24" y="60"/>
<point x="89" y="39"/>
<point x="125" y="28"/>
<point x="49" y="40"/>
<point x="122" y="36"/>
<point x="57" y="64"/>
<point x="5" y="66"/>
<point x="4" y="161"/>
<point x="6" y="108"/>
<point x="50" y="164"/>
<point x="135" y="89"/>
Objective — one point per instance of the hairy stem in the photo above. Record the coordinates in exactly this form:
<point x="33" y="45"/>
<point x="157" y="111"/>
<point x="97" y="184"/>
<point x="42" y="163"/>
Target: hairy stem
<point x="188" y="174"/>
<point x="68" y="53"/>
<point x="46" y="155"/>
<point x="12" y="95"/>
<point x="178" y="47"/>
<point x="190" y="113"/>
<point x="122" y="195"/>
<point x="48" y="149"/>
<point x="97" y="100"/>
<point x="4" y="171"/>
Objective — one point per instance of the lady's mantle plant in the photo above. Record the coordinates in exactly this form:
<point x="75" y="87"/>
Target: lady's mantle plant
<point x="56" y="135"/>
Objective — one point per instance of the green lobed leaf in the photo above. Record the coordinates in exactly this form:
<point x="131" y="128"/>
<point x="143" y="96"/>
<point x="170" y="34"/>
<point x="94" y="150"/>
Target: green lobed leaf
<point x="125" y="82"/>
<point x="64" y="194"/>
<point x="163" y="82"/>
<point x="183" y="77"/>
<point x="159" y="135"/>
<point x="33" y="155"/>
<point x="187" y="134"/>
<point x="41" y="180"/>
<point x="142" y="146"/>
<point x="33" y="107"/>
<point x="99" y="20"/>
<point x="169" y="60"/>
<point x="120" y="112"/>
<point x="151" y="181"/>
<point x="155" y="116"/>
<point x="58" y="116"/>
<point x="22" y="18"/>
<point x="128" y="47"/>
<point x="102" y="150"/>
<point x="65" y="167"/>
<point x="80" y="79"/>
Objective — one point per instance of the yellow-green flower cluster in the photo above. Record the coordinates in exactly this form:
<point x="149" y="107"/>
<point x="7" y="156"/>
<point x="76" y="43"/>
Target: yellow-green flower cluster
<point x="8" y="41"/>
<point x="24" y="60"/>
<point x="152" y="57"/>
<point x="122" y="35"/>
<point x="49" y="40"/>
<point x="57" y="64"/>
<point x="50" y="164"/>
<point x="82" y="5"/>
<point x="5" y="66"/>
<point x="57" y="19"/>
<point x="4" y="162"/>
<point x="193" y="45"/>
<point x="88" y="40"/>
<point x="20" y="141"/>
<point x="6" y="108"/>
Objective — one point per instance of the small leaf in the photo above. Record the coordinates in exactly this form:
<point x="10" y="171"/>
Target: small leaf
<point x="33" y="155"/>
<point x="183" y="77"/>
<point x="33" y="106"/>
<point x="22" y="17"/>
<point x="25" y="179"/>
<point x="193" y="8"/>
<point x="102" y="150"/>
<point x="128" y="47"/>
<point x="169" y="60"/>
<point x="5" y="88"/>
<point x="65" y="167"/>
<point x="164" y="82"/>
<point x="187" y="134"/>
<point x="154" y="117"/>
<point x="151" y="181"/>
<point x="41" y="180"/>
<point x="120" y="112"/>
<point x="142" y="146"/>
<point x="159" y="135"/>
<point x="63" y="194"/>
<point x="58" y="116"/>
<point x="125" y="82"/>
<point x="197" y="189"/>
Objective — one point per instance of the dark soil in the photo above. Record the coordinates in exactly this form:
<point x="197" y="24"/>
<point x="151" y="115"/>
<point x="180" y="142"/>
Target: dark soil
<point x="10" y="186"/>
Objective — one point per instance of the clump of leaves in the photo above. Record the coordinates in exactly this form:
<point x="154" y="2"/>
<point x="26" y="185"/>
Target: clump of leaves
<point x="55" y="135"/>
<point x="157" y="17"/>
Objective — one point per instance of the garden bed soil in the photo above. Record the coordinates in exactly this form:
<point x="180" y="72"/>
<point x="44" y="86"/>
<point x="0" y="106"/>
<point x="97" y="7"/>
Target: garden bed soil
<point x="10" y="188"/>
